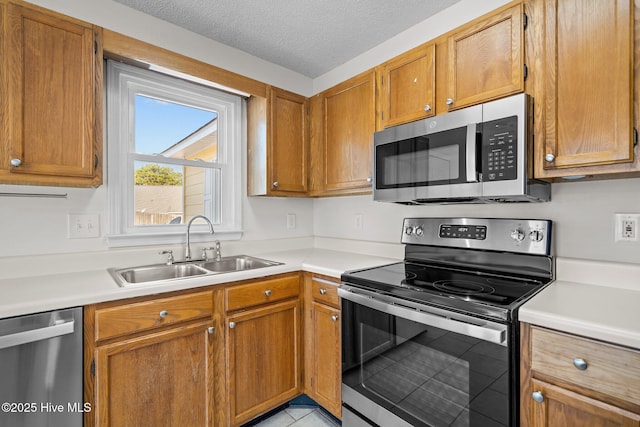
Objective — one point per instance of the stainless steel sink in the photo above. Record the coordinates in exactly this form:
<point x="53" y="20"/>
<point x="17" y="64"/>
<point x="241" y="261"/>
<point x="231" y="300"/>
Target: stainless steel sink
<point x="155" y="273"/>
<point x="236" y="263"/>
<point x="163" y="273"/>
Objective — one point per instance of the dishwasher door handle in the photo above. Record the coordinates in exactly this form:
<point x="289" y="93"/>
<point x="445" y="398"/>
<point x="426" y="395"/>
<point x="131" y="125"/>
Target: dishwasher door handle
<point x="34" y="335"/>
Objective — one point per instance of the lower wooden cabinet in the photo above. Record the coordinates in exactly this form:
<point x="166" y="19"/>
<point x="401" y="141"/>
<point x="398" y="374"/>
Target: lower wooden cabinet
<point x="215" y="357"/>
<point x="150" y="361"/>
<point x="561" y="407"/>
<point x="160" y="379"/>
<point x="263" y="347"/>
<point x="572" y="381"/>
<point x="323" y="370"/>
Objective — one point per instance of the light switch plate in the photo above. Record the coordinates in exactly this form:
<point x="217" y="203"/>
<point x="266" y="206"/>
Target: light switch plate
<point x="84" y="226"/>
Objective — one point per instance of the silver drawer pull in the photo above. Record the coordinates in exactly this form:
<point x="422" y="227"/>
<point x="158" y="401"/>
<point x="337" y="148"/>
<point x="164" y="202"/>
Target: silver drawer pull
<point x="211" y="329"/>
<point x="323" y="291"/>
<point x="16" y="162"/>
<point x="268" y="292"/>
<point x="232" y="325"/>
<point x="334" y="318"/>
<point x="538" y="396"/>
<point x="580" y="364"/>
<point x="164" y="313"/>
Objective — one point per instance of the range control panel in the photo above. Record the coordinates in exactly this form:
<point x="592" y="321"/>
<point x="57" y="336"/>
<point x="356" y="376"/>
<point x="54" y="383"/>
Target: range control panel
<point x="496" y="234"/>
<point x="453" y="231"/>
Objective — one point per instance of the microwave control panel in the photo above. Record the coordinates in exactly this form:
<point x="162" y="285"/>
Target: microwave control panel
<point x="500" y="149"/>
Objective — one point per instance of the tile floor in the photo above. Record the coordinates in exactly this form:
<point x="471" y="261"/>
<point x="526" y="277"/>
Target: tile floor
<point x="298" y="417"/>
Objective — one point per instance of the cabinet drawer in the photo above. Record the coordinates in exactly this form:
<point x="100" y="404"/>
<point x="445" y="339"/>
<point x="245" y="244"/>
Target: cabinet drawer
<point x="114" y="321"/>
<point x="325" y="291"/>
<point x="609" y="369"/>
<point x="242" y="296"/>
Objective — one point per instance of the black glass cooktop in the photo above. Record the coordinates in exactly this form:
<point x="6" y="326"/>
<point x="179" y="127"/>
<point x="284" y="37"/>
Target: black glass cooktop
<point x="445" y="286"/>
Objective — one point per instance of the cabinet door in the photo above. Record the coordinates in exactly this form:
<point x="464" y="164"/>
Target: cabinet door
<point x="407" y="86"/>
<point x="561" y="407"/>
<point x="264" y="361"/>
<point x="51" y="63"/>
<point x="288" y="147"/>
<point x="348" y="126"/>
<point x="485" y="60"/>
<point x="588" y="86"/>
<point x="160" y="379"/>
<point x="327" y="369"/>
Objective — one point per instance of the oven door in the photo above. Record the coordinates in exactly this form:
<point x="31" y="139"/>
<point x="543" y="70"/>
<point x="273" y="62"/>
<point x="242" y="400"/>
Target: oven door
<point x="429" y="159"/>
<point x="405" y="365"/>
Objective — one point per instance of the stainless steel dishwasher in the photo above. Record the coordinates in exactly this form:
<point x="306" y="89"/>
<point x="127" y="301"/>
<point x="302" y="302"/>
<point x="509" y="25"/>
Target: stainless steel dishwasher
<point x="41" y="370"/>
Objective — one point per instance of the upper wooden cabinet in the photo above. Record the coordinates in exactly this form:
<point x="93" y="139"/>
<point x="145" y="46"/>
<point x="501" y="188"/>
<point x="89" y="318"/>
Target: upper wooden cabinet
<point x="51" y="111"/>
<point x="582" y="83"/>
<point x="407" y="86"/>
<point x="342" y="138"/>
<point x="278" y="144"/>
<point x="485" y="58"/>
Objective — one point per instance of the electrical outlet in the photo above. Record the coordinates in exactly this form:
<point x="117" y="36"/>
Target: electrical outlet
<point x="357" y="222"/>
<point x="626" y="227"/>
<point x="291" y="220"/>
<point x="84" y="226"/>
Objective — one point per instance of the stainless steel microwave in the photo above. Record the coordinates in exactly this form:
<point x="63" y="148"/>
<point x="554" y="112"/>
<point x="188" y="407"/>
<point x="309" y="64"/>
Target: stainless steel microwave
<point x="477" y="154"/>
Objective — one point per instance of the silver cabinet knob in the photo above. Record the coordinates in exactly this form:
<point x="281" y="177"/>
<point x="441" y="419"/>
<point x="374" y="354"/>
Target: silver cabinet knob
<point x="334" y="318"/>
<point x="549" y="157"/>
<point x="164" y="313"/>
<point x="449" y="101"/>
<point x="268" y="292"/>
<point x="580" y="364"/>
<point x="369" y="179"/>
<point x="323" y="291"/>
<point x="211" y="329"/>
<point x="275" y="184"/>
<point x="16" y="162"/>
<point x="232" y="325"/>
<point x="428" y="107"/>
<point x="537" y="396"/>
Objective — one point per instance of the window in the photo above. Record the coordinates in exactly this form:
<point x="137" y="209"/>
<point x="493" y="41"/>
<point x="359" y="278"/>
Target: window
<point x="173" y="152"/>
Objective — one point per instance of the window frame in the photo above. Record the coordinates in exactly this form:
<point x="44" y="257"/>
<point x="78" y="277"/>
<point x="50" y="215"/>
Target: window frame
<point x="123" y="83"/>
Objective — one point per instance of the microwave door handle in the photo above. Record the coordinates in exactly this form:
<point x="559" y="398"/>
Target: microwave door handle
<point x="472" y="171"/>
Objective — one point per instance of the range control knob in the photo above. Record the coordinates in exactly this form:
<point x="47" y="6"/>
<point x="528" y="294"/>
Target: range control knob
<point x="418" y="231"/>
<point x="536" y="236"/>
<point x="408" y="230"/>
<point x="517" y="235"/>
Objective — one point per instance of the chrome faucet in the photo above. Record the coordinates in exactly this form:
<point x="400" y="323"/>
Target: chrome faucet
<point x="187" y="254"/>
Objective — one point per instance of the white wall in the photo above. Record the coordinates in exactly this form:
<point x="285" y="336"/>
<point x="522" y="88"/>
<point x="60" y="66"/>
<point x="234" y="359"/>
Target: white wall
<point x="582" y="214"/>
<point x="582" y="211"/>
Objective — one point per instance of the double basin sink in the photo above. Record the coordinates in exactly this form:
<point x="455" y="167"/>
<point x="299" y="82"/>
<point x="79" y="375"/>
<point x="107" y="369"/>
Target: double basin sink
<point x="162" y="273"/>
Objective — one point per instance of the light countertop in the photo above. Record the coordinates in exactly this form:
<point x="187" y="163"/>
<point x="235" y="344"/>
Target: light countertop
<point x="608" y="310"/>
<point x="601" y="312"/>
<point x="25" y="295"/>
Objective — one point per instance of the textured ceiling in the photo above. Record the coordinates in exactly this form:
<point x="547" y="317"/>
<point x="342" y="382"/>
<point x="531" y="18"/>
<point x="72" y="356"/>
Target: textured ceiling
<point x="307" y="36"/>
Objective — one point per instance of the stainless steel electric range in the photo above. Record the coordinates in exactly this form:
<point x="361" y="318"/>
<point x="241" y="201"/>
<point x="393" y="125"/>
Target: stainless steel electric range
<point x="433" y="340"/>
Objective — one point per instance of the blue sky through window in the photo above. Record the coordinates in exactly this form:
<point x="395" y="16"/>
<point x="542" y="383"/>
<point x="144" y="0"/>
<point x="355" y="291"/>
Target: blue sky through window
<point x="160" y="124"/>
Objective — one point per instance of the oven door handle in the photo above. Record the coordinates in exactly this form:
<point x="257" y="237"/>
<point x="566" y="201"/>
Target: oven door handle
<point x="454" y="322"/>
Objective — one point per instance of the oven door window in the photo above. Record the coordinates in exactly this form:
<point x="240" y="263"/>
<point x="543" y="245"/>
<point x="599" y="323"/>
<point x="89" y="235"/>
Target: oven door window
<point x="434" y="159"/>
<point x="424" y="375"/>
